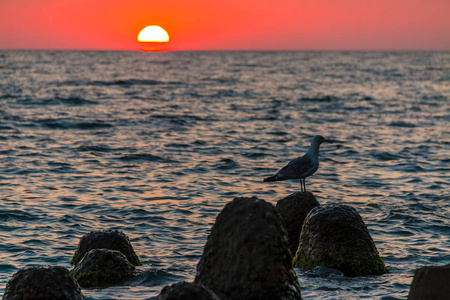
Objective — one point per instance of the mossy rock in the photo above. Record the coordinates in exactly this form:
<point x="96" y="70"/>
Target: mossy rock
<point x="335" y="236"/>
<point x="246" y="255"/>
<point x="105" y="239"/>
<point x="102" y="267"/>
<point x="293" y="210"/>
<point x="98" y="278"/>
<point x="350" y="267"/>
<point x="43" y="282"/>
<point x="186" y="291"/>
<point x="76" y="258"/>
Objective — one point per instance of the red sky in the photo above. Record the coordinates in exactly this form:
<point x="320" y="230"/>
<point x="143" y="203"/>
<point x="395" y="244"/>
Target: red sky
<point x="228" y="24"/>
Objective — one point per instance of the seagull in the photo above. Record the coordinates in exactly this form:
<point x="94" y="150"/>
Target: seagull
<point x="303" y="166"/>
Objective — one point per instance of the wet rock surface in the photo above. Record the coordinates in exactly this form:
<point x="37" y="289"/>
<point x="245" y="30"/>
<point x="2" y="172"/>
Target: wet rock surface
<point x="186" y="291"/>
<point x="432" y="282"/>
<point x="293" y="210"/>
<point x="246" y="255"/>
<point x="39" y="283"/>
<point x="105" y="239"/>
<point x="102" y="267"/>
<point x="335" y="236"/>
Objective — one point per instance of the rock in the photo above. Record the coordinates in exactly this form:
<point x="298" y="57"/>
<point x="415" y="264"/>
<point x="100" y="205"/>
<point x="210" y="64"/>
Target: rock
<point x="432" y="282"/>
<point x="336" y="237"/>
<point x="246" y="255"/>
<point x="105" y="239"/>
<point x="293" y="210"/>
<point x="186" y="291"/>
<point x="102" y="267"/>
<point x="39" y="283"/>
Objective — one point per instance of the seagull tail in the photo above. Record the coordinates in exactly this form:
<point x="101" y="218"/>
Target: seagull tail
<point x="271" y="178"/>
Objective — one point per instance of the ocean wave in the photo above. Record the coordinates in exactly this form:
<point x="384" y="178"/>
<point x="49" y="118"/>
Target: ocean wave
<point x="94" y="148"/>
<point x="73" y="124"/>
<point x="118" y="82"/>
<point x="72" y="100"/>
<point x="137" y="157"/>
<point x="226" y="164"/>
<point x="325" y="98"/>
<point x="402" y="124"/>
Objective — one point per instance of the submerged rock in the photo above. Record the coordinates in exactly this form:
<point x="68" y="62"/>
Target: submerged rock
<point x="40" y="283"/>
<point x="246" y="255"/>
<point x="432" y="282"/>
<point x="336" y="237"/>
<point x="102" y="267"/>
<point x="105" y="239"/>
<point x="186" y="291"/>
<point x="293" y="210"/>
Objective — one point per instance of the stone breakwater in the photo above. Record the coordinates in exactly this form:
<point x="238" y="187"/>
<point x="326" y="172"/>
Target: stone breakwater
<point x="335" y="236"/>
<point x="107" y="239"/>
<point x="249" y="254"/>
<point x="293" y="210"/>
<point x="246" y="255"/>
<point x="42" y="283"/>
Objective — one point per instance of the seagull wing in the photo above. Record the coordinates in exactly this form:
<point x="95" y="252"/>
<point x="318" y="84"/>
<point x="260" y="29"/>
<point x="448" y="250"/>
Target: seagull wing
<point x="296" y="168"/>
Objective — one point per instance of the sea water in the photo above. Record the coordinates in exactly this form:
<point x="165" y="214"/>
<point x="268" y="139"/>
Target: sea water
<point x="155" y="144"/>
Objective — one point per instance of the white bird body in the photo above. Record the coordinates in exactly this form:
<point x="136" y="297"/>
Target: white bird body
<point x="301" y="167"/>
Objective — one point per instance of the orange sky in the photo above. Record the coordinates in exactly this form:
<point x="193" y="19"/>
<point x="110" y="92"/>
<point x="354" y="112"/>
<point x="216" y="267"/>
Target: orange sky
<point x="228" y="25"/>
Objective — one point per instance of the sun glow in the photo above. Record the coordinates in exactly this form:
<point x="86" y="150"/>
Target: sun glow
<point x="154" y="34"/>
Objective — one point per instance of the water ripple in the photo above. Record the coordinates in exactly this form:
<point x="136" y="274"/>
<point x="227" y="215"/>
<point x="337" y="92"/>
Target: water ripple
<point x="155" y="144"/>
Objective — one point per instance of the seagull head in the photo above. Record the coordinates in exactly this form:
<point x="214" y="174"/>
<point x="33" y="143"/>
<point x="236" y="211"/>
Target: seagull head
<point x="318" y="139"/>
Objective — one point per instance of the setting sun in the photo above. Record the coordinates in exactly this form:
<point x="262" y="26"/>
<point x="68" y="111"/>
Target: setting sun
<point x="153" y="34"/>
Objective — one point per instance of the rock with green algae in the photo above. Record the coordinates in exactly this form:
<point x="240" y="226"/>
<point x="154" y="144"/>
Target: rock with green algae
<point x="335" y="236"/>
<point x="41" y="283"/>
<point x="293" y="210"/>
<point x="102" y="267"/>
<point x="105" y="239"/>
<point x="186" y="291"/>
<point x="246" y="255"/>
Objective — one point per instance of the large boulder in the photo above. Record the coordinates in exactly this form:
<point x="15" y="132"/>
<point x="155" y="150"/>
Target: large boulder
<point x="41" y="283"/>
<point x="186" y="291"/>
<point x="105" y="239"/>
<point x="335" y="236"/>
<point x="246" y="255"/>
<point x="293" y="210"/>
<point x="432" y="282"/>
<point x="102" y="267"/>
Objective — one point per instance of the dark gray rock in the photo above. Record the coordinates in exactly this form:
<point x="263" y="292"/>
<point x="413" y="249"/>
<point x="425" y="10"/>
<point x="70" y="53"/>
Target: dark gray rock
<point x="336" y="237"/>
<point x="293" y="210"/>
<point x="186" y="291"/>
<point x="246" y="255"/>
<point x="102" y="267"/>
<point x="432" y="282"/>
<point x="105" y="239"/>
<point x="42" y="283"/>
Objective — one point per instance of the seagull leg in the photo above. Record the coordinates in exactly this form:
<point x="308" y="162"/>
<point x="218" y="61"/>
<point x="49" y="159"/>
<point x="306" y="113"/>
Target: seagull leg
<point x="302" y="185"/>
